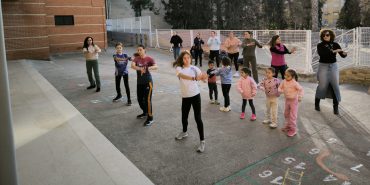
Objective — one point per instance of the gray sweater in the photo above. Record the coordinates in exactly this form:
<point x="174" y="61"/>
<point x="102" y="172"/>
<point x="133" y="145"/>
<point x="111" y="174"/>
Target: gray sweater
<point x="250" y="50"/>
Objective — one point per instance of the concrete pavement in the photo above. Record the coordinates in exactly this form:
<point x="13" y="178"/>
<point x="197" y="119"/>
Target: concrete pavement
<point x="237" y="151"/>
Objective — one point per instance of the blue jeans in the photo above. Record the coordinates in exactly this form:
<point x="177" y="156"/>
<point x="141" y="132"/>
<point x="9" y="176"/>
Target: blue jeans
<point x="176" y="52"/>
<point x="328" y="74"/>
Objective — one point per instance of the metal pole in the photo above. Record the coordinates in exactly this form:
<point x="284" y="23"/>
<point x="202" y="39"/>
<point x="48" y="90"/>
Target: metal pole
<point x="150" y="31"/>
<point x="8" y="173"/>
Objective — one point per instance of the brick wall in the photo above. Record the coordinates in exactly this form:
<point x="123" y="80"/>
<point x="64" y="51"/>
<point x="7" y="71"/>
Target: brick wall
<point x="30" y="30"/>
<point x="89" y="20"/>
<point x="25" y="29"/>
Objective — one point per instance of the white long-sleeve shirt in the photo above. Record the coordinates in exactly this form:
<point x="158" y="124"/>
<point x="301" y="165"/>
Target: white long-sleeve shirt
<point x="214" y="43"/>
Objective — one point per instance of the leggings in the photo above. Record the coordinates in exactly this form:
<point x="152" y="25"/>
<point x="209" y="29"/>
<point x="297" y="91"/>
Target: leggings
<point x="212" y="89"/>
<point x="225" y="92"/>
<point x="280" y="69"/>
<point x="250" y="104"/>
<point x="215" y="54"/>
<point x="234" y="58"/>
<point x="125" y="81"/>
<point x="144" y="97"/>
<point x="185" y="109"/>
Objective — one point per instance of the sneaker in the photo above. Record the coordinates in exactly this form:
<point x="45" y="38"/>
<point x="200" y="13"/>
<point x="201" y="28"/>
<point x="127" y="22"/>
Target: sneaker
<point x="91" y="87"/>
<point x="236" y="74"/>
<point x="217" y="103"/>
<point x="222" y="109"/>
<point x="118" y="97"/>
<point x="253" y="117"/>
<point x="212" y="102"/>
<point x="181" y="135"/>
<point x="148" y="122"/>
<point x="129" y="103"/>
<point x="201" y="147"/>
<point x="266" y="121"/>
<point x="242" y="115"/>
<point x="141" y="116"/>
<point x="291" y="133"/>
<point x="227" y="109"/>
<point x="273" y="125"/>
<point x="98" y="89"/>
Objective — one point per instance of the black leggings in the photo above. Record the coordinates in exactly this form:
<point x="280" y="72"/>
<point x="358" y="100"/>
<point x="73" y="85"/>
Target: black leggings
<point x="118" y="85"/>
<point x="250" y="104"/>
<point x="225" y="92"/>
<point x="234" y="58"/>
<point x="280" y="69"/>
<point x="144" y="97"/>
<point x="215" y="54"/>
<point x="212" y="88"/>
<point x="198" y="54"/>
<point x="185" y="109"/>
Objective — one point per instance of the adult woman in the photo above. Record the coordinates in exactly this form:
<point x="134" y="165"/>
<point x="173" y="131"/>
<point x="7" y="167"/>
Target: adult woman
<point x="143" y="64"/>
<point x="232" y="44"/>
<point x="249" y="53"/>
<point x="214" y="44"/>
<point x="278" y="50"/>
<point x="328" y="75"/>
<point x="198" y="41"/>
<point x="188" y="76"/>
<point x="91" y="51"/>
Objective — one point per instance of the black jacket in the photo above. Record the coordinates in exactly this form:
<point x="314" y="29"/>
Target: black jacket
<point x="325" y="51"/>
<point x="176" y="41"/>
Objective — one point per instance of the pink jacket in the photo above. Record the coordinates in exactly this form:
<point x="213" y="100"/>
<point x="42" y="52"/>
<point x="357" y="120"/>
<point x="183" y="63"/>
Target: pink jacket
<point x="247" y="87"/>
<point x="291" y="89"/>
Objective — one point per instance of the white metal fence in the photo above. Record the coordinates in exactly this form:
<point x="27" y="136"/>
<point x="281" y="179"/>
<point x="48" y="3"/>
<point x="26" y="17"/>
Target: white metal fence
<point x="355" y="41"/>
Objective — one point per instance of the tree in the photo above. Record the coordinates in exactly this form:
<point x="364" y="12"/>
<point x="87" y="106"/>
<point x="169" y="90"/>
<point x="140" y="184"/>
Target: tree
<point x="274" y="14"/>
<point x="350" y="15"/>
<point x="139" y="5"/>
<point x="315" y="15"/>
<point x="366" y="21"/>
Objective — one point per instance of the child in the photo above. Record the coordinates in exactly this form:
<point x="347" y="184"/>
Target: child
<point x="270" y="85"/>
<point x="121" y="61"/>
<point x="248" y="89"/>
<point x="226" y="79"/>
<point x="293" y="93"/>
<point x="212" y="82"/>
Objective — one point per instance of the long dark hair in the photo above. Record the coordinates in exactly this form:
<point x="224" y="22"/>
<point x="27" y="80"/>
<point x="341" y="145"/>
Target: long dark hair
<point x="293" y="73"/>
<point x="179" y="61"/>
<point x="86" y="45"/>
<point x="273" y="40"/>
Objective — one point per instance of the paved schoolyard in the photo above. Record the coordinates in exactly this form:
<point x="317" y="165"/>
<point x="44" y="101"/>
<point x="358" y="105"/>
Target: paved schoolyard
<point x="237" y="151"/>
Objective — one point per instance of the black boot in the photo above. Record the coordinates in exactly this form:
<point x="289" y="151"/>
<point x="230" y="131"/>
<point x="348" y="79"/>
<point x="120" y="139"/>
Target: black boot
<point x="317" y="104"/>
<point x="335" y="108"/>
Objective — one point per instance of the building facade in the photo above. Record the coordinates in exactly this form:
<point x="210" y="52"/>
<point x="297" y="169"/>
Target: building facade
<point x="35" y="29"/>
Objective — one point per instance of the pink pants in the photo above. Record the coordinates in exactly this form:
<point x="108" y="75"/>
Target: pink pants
<point x="290" y="113"/>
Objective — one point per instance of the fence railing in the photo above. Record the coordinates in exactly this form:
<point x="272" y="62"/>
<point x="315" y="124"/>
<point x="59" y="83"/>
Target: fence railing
<point x="355" y="41"/>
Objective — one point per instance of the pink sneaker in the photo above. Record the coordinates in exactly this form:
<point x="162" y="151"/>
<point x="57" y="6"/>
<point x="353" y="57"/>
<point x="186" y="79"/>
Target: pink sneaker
<point x="242" y="115"/>
<point x="291" y="133"/>
<point x="253" y="117"/>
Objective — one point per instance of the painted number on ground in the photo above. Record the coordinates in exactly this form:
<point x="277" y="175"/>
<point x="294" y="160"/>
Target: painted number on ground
<point x="300" y="166"/>
<point x="288" y="160"/>
<point x="265" y="174"/>
<point x="346" y="183"/>
<point x="355" y="168"/>
<point x="331" y="140"/>
<point x="277" y="180"/>
<point x="314" y="151"/>
<point x="330" y="178"/>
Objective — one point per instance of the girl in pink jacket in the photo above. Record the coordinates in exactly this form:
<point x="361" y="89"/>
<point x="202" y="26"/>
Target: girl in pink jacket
<point x="293" y="93"/>
<point x="248" y="89"/>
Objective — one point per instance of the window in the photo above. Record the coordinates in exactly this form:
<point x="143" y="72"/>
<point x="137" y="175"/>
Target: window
<point x="61" y="20"/>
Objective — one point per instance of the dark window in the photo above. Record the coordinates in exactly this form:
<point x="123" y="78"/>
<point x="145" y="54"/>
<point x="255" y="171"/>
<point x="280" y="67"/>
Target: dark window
<point x="64" y="20"/>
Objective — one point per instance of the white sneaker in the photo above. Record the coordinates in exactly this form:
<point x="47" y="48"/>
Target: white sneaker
<point x="273" y="125"/>
<point x="227" y="109"/>
<point x="181" y="135"/>
<point x="212" y="102"/>
<point x="236" y="74"/>
<point x="201" y="147"/>
<point x="266" y="121"/>
<point x="222" y="109"/>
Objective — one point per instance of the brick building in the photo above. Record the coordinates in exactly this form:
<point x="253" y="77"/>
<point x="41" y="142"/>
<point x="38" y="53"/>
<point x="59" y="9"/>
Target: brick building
<point x="34" y="29"/>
